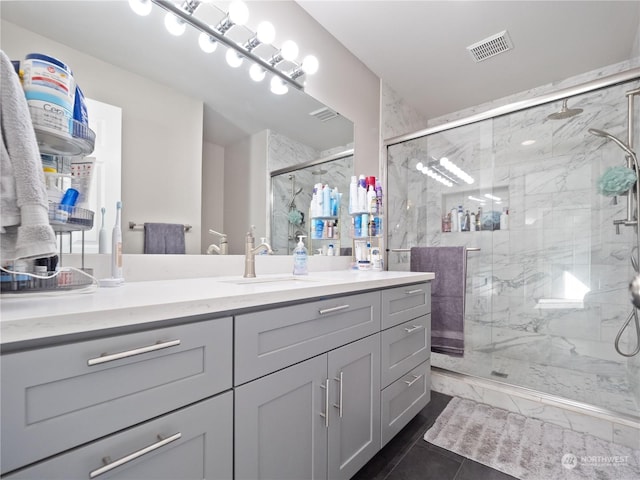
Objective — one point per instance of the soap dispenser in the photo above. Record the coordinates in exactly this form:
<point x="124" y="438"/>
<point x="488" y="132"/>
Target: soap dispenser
<point x="300" y="258"/>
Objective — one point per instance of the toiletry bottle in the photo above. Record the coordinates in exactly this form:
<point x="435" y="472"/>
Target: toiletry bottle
<point x="460" y="218"/>
<point x="454" y="219"/>
<point x="326" y="201"/>
<point x="362" y="195"/>
<point x="300" y="258"/>
<point x="372" y="203"/>
<point x="353" y="194"/>
<point x="479" y="219"/>
<point x="472" y="222"/>
<point x="330" y="250"/>
<point x="116" y="246"/>
<point x="379" y="196"/>
<point x="504" y="219"/>
<point x="467" y="220"/>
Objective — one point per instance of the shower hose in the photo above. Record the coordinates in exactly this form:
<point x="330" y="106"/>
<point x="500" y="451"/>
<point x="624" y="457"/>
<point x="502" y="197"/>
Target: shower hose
<point x="634" y="262"/>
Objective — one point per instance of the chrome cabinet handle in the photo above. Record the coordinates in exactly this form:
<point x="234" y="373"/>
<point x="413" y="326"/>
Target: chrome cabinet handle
<point x="333" y="309"/>
<point x="339" y="405"/>
<point x="109" y="465"/>
<point x="413" y="292"/>
<point x="411" y="382"/>
<point x="325" y="415"/>
<point x="413" y="328"/>
<point x="104" y="358"/>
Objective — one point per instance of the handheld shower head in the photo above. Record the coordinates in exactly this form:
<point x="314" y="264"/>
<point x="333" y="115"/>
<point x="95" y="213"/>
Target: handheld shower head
<point x="617" y="141"/>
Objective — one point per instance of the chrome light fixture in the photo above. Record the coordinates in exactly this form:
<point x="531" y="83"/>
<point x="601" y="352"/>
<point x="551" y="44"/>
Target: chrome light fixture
<point x="180" y="14"/>
<point x="174" y="24"/>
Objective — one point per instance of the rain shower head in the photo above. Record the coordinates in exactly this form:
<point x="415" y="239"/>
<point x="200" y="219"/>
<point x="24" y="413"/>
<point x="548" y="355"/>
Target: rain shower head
<point x="617" y="141"/>
<point x="565" y="112"/>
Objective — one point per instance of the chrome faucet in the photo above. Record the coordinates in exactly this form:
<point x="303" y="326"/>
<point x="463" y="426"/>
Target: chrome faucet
<point x="220" y="250"/>
<point x="250" y="254"/>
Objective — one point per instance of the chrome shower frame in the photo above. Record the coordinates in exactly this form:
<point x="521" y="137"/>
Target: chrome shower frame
<point x="597" y="84"/>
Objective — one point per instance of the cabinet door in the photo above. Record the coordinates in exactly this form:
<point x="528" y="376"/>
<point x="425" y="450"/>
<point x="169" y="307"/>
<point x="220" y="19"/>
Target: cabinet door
<point x="192" y="443"/>
<point x="280" y="430"/>
<point x="354" y="420"/>
<point x="270" y="340"/>
<point x="403" y="400"/>
<point x="405" y="303"/>
<point x="59" y="397"/>
<point x="404" y="347"/>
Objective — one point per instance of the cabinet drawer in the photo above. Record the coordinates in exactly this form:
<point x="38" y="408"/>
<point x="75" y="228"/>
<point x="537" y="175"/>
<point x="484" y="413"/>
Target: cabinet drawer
<point x="405" y="303"/>
<point x="403" y="399"/>
<point x="192" y="443"/>
<point x="404" y="347"/>
<point x="274" y="339"/>
<point x="59" y="397"/>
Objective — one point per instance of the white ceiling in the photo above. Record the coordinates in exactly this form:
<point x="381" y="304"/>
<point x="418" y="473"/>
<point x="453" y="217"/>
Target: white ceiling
<point x="418" y="48"/>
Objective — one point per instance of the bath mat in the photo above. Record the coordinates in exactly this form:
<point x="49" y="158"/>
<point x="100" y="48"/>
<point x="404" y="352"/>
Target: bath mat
<point x="527" y="448"/>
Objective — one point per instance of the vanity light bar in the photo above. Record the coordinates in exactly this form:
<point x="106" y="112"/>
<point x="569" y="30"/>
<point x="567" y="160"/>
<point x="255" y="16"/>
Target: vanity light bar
<point x="204" y="28"/>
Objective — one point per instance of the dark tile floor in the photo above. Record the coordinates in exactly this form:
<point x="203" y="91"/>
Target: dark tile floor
<point x="409" y="457"/>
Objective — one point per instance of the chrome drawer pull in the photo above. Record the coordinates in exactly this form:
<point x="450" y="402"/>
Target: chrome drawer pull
<point x="413" y="292"/>
<point x="104" y="358"/>
<point x="339" y="405"/>
<point x="325" y="415"/>
<point x="132" y="456"/>
<point x="333" y="309"/>
<point x="411" y="382"/>
<point x="413" y="328"/>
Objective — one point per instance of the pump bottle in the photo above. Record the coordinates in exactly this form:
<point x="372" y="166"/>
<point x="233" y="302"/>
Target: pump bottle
<point x="300" y="258"/>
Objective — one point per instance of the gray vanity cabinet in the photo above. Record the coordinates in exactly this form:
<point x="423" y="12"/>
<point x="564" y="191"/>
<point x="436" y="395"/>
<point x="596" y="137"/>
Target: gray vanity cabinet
<point x="189" y="444"/>
<point x="62" y="397"/>
<point x="288" y="362"/>
<point x="406" y="350"/>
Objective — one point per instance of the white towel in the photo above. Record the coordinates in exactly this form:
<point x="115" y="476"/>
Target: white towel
<point x="24" y="211"/>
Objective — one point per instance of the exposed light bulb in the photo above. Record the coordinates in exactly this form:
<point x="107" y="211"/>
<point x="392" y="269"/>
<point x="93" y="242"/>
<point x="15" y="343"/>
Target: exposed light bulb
<point x="141" y="7"/>
<point x="278" y="86"/>
<point x="419" y="166"/>
<point x="310" y="64"/>
<point x="238" y="12"/>
<point x="257" y="73"/>
<point x="266" y="33"/>
<point x="289" y="50"/>
<point x="207" y="43"/>
<point x="174" y="25"/>
<point x="233" y="59"/>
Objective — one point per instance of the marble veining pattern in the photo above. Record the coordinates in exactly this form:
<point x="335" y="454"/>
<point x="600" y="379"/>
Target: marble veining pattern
<point x="560" y="243"/>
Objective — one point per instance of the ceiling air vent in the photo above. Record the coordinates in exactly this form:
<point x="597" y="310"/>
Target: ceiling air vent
<point x="491" y="46"/>
<point x="324" y="114"/>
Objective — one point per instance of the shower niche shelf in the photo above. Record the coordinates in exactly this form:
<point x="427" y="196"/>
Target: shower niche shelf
<point x="490" y="202"/>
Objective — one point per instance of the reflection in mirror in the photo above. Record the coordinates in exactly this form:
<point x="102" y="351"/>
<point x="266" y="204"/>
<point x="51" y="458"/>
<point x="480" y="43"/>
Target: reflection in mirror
<point x="188" y="118"/>
<point x="291" y="193"/>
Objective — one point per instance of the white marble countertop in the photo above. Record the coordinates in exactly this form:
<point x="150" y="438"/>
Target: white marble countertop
<point x="37" y="317"/>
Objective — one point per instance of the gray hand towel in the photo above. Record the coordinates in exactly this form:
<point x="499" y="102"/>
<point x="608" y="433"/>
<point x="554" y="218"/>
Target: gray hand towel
<point x="24" y="210"/>
<point x="447" y="294"/>
<point x="164" y="238"/>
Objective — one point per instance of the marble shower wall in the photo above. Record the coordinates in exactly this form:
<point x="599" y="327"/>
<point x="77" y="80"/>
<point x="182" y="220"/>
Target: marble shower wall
<point x="560" y="240"/>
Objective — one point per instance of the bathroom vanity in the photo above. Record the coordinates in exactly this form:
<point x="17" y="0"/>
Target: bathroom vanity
<point x="273" y="377"/>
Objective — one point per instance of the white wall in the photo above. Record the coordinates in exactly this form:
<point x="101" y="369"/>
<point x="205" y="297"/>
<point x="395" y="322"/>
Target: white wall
<point x="161" y="151"/>
<point x="245" y="190"/>
<point x="343" y="82"/>
<point x="212" y="193"/>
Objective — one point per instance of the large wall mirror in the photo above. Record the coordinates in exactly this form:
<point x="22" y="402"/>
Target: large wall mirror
<point x="186" y="114"/>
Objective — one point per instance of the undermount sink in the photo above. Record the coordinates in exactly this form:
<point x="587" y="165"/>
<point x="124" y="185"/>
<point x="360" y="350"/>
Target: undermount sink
<point x="282" y="279"/>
